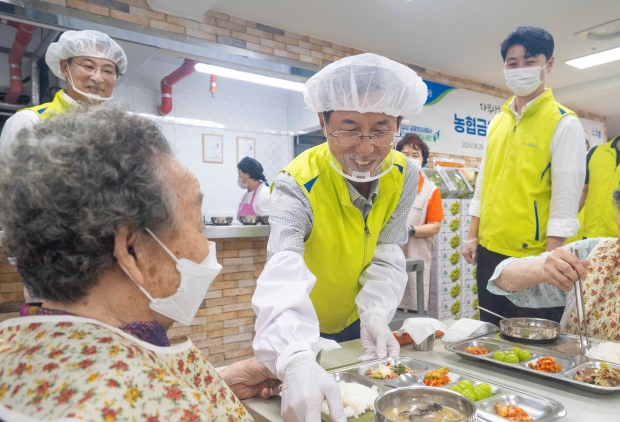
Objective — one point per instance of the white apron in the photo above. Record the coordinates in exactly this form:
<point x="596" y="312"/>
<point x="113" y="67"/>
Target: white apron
<point x="419" y="247"/>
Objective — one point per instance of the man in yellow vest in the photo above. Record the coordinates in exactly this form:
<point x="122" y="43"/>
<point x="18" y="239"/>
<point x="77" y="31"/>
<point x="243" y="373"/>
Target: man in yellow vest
<point x="602" y="179"/>
<point x="531" y="177"/>
<point x="90" y="61"/>
<point x="338" y="215"/>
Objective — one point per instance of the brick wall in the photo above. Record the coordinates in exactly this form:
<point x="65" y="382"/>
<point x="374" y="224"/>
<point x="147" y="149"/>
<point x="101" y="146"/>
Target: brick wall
<point x="11" y="289"/>
<point x="224" y="325"/>
<point x="221" y="28"/>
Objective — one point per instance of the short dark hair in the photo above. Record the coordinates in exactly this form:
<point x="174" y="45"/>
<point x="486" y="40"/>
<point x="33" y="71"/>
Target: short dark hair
<point x="534" y="40"/>
<point x="415" y="142"/>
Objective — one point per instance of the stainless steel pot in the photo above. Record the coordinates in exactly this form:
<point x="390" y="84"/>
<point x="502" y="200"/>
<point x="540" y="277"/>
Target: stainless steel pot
<point x="422" y="396"/>
<point x="249" y="220"/>
<point x="530" y="330"/>
<point x="221" y="221"/>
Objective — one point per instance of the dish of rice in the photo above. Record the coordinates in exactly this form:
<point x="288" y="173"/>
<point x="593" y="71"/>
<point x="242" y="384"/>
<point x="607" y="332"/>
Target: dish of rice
<point x="608" y="352"/>
<point x="356" y="399"/>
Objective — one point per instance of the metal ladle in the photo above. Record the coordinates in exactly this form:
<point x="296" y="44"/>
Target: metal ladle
<point x="502" y="317"/>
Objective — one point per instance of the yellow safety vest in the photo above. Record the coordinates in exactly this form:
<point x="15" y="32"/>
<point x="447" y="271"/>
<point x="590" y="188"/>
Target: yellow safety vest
<point x="600" y="215"/>
<point x="516" y="191"/>
<point x="57" y="106"/>
<point x="341" y="244"/>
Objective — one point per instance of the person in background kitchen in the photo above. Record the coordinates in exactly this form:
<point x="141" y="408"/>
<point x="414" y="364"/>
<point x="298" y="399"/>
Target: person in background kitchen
<point x="423" y="222"/>
<point x="549" y="279"/>
<point x="90" y="62"/>
<point x="532" y="172"/>
<point x="338" y="216"/>
<point x="117" y="258"/>
<point x="256" y="200"/>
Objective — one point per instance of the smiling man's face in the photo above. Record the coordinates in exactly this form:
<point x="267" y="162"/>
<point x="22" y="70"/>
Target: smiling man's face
<point x="91" y="75"/>
<point x="364" y="156"/>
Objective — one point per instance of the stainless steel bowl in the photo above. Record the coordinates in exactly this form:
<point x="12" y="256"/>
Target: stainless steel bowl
<point x="530" y="330"/>
<point x="222" y="221"/>
<point x="423" y="395"/>
<point x="264" y="219"/>
<point x="249" y="220"/>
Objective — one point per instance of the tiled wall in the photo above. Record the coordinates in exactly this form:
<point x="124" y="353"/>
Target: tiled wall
<point x="241" y="108"/>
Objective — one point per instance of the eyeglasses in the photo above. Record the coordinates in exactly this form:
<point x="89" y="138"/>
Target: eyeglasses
<point x="107" y="74"/>
<point x="350" y="138"/>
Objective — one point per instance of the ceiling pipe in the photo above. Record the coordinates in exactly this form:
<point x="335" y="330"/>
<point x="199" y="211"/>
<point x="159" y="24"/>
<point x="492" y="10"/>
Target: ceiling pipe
<point x="186" y="69"/>
<point x="35" y="96"/>
<point x="22" y="39"/>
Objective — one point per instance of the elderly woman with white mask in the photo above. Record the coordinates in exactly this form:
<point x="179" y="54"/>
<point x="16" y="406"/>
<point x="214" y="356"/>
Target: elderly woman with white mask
<point x="106" y="227"/>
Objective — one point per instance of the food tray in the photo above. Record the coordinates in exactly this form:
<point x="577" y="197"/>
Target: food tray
<point x="565" y="351"/>
<point x="542" y="409"/>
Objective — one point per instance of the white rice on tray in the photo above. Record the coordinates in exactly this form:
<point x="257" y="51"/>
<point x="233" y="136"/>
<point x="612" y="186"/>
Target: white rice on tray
<point x="608" y="352"/>
<point x="356" y="399"/>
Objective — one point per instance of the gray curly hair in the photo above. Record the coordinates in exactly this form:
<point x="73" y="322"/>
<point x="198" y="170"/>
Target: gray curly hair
<point x="69" y="184"/>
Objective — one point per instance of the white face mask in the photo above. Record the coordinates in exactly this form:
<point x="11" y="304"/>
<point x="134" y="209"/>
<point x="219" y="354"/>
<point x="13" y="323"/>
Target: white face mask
<point x="524" y="80"/>
<point x="417" y="163"/>
<point x="241" y="184"/>
<point x="86" y="94"/>
<point x="195" y="281"/>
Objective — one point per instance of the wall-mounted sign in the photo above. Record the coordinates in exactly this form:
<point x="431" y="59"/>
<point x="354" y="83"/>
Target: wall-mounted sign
<point x="454" y="121"/>
<point x="594" y="132"/>
<point x="212" y="148"/>
<point x="246" y="147"/>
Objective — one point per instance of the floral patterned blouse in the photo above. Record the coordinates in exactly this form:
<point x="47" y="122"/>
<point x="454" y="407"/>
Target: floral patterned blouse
<point x="601" y="290"/>
<point x="70" y="368"/>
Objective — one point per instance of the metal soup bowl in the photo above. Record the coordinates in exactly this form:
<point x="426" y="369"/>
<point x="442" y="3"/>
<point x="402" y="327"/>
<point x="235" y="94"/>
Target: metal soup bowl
<point x="530" y="330"/>
<point x="222" y="221"/>
<point x="264" y="219"/>
<point x="249" y="220"/>
<point x="423" y="395"/>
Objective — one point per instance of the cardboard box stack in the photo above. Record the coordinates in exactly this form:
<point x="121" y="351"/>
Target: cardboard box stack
<point x="453" y="290"/>
<point x="446" y="287"/>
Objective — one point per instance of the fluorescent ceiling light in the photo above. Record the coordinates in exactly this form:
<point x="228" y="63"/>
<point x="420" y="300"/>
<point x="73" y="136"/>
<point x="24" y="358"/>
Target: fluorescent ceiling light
<point x="248" y="77"/>
<point x="595" y="59"/>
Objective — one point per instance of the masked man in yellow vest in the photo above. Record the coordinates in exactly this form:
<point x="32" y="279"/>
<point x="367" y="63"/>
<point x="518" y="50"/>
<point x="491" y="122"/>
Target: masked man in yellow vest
<point x="89" y="61"/>
<point x="531" y="176"/>
<point x="338" y="215"/>
<point x="602" y="178"/>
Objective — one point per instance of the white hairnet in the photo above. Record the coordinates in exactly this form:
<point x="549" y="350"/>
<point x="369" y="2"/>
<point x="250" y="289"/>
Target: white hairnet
<point x="84" y="43"/>
<point x="367" y="83"/>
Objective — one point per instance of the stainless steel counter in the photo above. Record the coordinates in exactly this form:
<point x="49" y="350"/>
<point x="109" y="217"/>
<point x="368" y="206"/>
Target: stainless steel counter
<point x="227" y="232"/>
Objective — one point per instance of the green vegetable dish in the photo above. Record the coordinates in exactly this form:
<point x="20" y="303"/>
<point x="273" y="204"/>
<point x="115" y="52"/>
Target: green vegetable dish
<point x="455" y="208"/>
<point x="455" y="224"/>
<point x="474" y="304"/>
<point x="455" y="308"/>
<point x="455" y="257"/>
<point x="455" y="274"/>
<point x="455" y="241"/>
<point x="455" y="291"/>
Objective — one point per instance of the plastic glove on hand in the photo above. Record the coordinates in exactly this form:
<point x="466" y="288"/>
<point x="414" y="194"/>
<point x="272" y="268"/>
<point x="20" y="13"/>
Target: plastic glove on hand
<point x="470" y="251"/>
<point x="305" y="386"/>
<point x="377" y="338"/>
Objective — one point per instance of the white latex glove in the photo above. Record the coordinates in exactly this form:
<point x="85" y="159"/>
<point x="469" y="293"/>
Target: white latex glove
<point x="470" y="251"/>
<point x="377" y="338"/>
<point x="305" y="385"/>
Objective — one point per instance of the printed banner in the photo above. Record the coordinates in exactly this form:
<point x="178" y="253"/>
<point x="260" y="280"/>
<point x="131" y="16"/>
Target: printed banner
<point x="594" y="132"/>
<point x="454" y="121"/>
